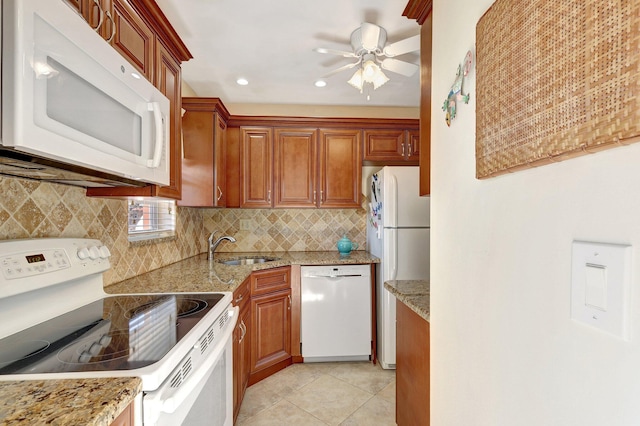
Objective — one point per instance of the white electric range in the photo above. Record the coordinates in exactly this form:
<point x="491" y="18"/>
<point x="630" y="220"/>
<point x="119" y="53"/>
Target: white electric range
<point x="56" y="322"/>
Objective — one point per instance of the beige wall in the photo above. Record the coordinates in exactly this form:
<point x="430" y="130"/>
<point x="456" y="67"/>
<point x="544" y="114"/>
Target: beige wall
<point x="504" y="350"/>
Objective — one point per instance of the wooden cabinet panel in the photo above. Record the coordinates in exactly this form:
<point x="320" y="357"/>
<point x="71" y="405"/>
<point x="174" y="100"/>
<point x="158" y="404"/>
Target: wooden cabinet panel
<point x="241" y="346"/>
<point x="125" y="418"/>
<point x="271" y="329"/>
<point x="295" y="162"/>
<point x="270" y="280"/>
<point x="220" y="162"/>
<point x="133" y="38"/>
<point x="412" y="368"/>
<point x="168" y="81"/>
<point x="413" y="145"/>
<point x="383" y="145"/>
<point x="425" y="105"/>
<point x="256" y="154"/>
<point x="204" y="131"/>
<point x="340" y="168"/>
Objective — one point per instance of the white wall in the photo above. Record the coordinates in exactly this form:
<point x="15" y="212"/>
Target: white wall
<point x="504" y="349"/>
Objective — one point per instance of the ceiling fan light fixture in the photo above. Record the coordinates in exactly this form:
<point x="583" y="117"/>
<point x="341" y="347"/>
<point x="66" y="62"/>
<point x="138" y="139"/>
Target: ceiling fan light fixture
<point x="356" y="80"/>
<point x="379" y="79"/>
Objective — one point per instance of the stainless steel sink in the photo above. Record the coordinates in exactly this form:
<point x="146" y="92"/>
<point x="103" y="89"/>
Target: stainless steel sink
<point x="247" y="260"/>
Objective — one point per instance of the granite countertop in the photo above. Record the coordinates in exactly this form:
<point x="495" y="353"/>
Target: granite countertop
<point x="413" y="293"/>
<point x="92" y="402"/>
<point x="197" y="274"/>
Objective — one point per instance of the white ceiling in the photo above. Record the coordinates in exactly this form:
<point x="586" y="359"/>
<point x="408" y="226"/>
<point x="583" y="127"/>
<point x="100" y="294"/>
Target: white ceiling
<point x="271" y="42"/>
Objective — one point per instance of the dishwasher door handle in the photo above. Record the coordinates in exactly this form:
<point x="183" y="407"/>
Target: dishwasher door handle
<point x="332" y="276"/>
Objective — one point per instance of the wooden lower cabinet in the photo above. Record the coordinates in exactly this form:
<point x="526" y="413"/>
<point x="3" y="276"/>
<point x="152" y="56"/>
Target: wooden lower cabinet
<point x="270" y="333"/>
<point x="241" y="346"/>
<point x="125" y="418"/>
<point x="412" y="367"/>
<point x="262" y="338"/>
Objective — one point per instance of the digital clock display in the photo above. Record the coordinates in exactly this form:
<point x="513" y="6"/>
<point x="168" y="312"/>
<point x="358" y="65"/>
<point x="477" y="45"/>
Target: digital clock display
<point x="35" y="258"/>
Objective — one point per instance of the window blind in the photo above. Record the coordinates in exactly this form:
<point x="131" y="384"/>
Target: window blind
<point x="151" y="219"/>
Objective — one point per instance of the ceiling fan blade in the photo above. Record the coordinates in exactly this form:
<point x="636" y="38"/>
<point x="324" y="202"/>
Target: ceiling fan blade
<point x="370" y="34"/>
<point x="342" y="68"/>
<point x="399" y="67"/>
<point x="343" y="53"/>
<point x="401" y="47"/>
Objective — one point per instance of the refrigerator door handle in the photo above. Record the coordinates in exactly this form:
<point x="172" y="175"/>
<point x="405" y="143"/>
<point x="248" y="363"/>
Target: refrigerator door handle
<point x="393" y="199"/>
<point x="393" y="243"/>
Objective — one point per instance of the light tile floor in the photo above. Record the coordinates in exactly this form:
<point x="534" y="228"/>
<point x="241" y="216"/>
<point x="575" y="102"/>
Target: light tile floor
<point x="320" y="394"/>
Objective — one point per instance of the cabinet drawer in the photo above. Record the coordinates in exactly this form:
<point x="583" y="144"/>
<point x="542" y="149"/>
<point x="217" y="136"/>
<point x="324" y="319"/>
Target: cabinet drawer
<point x="268" y="281"/>
<point x="241" y="295"/>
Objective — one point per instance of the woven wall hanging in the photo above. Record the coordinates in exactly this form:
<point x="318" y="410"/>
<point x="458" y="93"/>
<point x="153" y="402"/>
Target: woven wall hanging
<point x="555" y="79"/>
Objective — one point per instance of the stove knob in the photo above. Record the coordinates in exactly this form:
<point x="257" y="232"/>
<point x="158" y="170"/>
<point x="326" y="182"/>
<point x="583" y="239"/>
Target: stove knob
<point x="94" y="252"/>
<point x="83" y="253"/>
<point x="85" y="357"/>
<point x="104" y="252"/>
<point x="105" y="340"/>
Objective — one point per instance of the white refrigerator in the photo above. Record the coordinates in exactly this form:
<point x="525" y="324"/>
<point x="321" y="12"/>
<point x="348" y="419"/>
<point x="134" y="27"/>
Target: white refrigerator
<point x="398" y="234"/>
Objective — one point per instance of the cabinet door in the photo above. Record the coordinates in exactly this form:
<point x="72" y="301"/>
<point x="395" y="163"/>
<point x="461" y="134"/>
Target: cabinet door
<point x="413" y="145"/>
<point x="256" y="154"/>
<point x="133" y="38"/>
<point x="168" y="81"/>
<point x="384" y="145"/>
<point x="270" y="329"/>
<point x="295" y="163"/>
<point x="197" y="159"/>
<point x="220" y="162"/>
<point x="241" y="346"/>
<point x="340" y="168"/>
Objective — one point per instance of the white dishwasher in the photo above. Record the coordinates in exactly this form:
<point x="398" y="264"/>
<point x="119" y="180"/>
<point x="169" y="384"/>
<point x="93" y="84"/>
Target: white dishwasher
<point x="336" y="313"/>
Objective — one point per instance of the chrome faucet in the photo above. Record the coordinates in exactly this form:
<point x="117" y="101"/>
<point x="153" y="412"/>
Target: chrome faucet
<point x="214" y="245"/>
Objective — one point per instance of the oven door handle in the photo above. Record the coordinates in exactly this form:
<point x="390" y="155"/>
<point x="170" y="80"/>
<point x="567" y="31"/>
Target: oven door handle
<point x="172" y="403"/>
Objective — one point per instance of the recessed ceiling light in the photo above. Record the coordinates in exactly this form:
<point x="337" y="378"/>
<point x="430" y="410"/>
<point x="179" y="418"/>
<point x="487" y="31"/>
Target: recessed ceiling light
<point x="242" y="81"/>
<point x="320" y="83"/>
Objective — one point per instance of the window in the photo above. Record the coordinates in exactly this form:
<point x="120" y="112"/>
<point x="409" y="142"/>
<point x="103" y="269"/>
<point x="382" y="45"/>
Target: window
<point x="151" y="219"/>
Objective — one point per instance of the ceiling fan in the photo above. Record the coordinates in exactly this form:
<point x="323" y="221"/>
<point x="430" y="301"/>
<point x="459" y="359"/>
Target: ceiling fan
<point x="373" y="54"/>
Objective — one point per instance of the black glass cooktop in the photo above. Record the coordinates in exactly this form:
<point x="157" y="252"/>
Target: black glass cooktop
<point x="114" y="333"/>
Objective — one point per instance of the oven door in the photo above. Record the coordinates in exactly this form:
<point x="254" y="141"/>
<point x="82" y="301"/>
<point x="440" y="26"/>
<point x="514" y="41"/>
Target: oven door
<point x="202" y="392"/>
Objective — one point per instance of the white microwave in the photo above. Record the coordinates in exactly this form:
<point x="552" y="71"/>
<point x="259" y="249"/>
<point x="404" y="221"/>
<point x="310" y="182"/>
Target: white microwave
<point x="69" y="97"/>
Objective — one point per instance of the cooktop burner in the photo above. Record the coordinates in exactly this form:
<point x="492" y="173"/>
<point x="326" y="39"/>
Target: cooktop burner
<point x="114" y="333"/>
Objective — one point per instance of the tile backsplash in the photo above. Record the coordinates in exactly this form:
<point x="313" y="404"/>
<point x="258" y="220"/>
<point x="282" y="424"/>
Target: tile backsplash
<point x="286" y="229"/>
<point x="32" y="209"/>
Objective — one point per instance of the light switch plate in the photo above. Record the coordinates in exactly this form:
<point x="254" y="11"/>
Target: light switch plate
<point x="600" y="283"/>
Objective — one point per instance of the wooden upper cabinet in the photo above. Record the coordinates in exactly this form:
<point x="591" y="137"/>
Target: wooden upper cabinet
<point x="133" y="38"/>
<point x="340" y="168"/>
<point x="204" y="130"/>
<point x="295" y="164"/>
<point x="256" y="155"/>
<point x="142" y="35"/>
<point x="169" y="82"/>
<point x="391" y="146"/>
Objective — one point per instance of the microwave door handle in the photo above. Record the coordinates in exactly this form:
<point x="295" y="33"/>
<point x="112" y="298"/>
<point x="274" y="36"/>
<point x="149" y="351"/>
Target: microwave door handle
<point x="154" y="163"/>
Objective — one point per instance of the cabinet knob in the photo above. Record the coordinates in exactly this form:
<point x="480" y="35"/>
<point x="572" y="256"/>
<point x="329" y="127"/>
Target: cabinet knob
<point x="113" y="26"/>
<point x="219" y="193"/>
<point x="289" y="296"/>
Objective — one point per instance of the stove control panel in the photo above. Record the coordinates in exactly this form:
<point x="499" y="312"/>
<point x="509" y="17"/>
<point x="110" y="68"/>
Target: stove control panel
<point x="35" y="263"/>
<point x="31" y="264"/>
